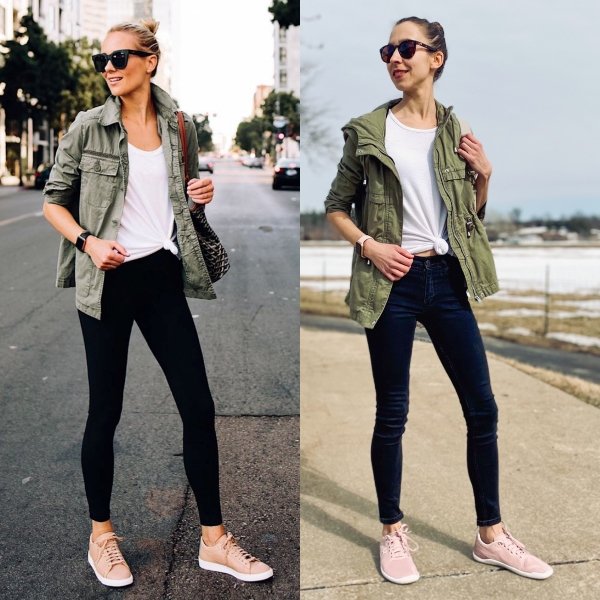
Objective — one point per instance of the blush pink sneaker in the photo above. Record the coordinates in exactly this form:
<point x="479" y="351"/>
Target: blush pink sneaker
<point x="107" y="561"/>
<point x="505" y="551"/>
<point x="227" y="557"/>
<point x="396" y="563"/>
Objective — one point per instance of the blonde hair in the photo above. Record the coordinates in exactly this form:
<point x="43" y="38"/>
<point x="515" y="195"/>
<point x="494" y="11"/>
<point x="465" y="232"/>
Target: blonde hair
<point x="145" y="32"/>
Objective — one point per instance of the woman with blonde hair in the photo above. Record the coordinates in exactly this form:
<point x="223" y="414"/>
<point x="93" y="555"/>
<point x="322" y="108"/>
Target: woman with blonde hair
<point x="419" y="180"/>
<point x="116" y="195"/>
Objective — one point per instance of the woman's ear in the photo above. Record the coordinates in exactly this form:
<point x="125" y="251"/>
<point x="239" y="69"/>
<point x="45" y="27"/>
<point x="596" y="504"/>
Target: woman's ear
<point x="151" y="64"/>
<point x="437" y="59"/>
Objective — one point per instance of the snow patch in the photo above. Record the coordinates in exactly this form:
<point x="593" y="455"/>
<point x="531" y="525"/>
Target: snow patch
<point x="575" y="338"/>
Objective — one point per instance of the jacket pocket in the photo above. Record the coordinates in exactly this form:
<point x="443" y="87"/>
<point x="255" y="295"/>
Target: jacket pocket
<point x="98" y="179"/>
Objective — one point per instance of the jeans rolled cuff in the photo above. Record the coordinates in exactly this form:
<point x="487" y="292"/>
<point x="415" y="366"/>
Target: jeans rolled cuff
<point x="392" y="520"/>
<point x="488" y="522"/>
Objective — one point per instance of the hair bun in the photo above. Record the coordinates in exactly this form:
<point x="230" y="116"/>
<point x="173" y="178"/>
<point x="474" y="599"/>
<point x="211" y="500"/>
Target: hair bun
<point x="150" y="24"/>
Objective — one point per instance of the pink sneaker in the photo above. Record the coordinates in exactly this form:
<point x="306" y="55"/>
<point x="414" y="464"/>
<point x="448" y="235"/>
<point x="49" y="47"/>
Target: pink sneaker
<point x="227" y="557"/>
<point x="107" y="561"/>
<point x="396" y="563"/>
<point x="505" y="551"/>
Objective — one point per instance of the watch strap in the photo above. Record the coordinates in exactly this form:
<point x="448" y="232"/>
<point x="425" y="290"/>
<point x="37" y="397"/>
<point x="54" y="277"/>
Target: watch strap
<point x="360" y="244"/>
<point x="80" y="241"/>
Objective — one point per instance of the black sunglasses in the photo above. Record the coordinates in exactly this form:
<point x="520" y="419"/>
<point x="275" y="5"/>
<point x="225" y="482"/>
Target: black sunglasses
<point x="118" y="58"/>
<point x="406" y="49"/>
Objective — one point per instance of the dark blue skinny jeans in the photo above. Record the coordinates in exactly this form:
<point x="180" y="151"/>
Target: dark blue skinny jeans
<point x="433" y="292"/>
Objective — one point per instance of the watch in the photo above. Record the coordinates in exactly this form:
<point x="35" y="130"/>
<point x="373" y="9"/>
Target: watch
<point x="80" y="241"/>
<point x="360" y="242"/>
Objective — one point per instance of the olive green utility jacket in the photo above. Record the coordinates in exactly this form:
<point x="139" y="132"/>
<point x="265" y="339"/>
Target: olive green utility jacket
<point x="90" y="177"/>
<point x="367" y="178"/>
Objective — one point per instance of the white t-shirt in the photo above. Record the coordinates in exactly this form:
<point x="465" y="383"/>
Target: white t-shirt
<point x="147" y="223"/>
<point x="424" y="220"/>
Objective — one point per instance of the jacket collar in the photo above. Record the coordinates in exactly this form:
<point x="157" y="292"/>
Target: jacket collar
<point x="370" y="128"/>
<point x="165" y="107"/>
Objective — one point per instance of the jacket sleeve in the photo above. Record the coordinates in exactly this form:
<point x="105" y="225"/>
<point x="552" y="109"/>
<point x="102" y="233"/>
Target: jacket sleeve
<point x="349" y="177"/>
<point x="64" y="181"/>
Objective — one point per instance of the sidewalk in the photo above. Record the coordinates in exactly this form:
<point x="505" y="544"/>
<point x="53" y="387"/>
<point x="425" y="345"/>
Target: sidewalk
<point x="550" y="489"/>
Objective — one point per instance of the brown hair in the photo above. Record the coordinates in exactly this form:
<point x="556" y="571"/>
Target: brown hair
<point x="435" y="33"/>
<point x="145" y="32"/>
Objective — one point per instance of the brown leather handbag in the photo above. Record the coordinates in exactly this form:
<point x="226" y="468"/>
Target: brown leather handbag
<point x="215" y="255"/>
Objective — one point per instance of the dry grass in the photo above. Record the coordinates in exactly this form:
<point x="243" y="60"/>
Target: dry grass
<point x="584" y="390"/>
<point x="332" y="303"/>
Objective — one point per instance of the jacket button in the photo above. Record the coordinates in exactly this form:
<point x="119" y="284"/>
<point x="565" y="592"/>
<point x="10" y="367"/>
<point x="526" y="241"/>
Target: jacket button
<point x="98" y="166"/>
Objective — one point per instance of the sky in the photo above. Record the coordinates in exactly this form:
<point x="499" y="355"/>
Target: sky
<point x="524" y="74"/>
<point x="222" y="51"/>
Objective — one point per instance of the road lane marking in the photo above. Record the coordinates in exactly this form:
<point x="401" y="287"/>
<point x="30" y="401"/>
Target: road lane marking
<point x="20" y="218"/>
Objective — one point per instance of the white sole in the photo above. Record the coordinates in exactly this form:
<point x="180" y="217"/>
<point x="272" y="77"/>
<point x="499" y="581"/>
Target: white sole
<point x="497" y="563"/>
<point x="211" y="566"/>
<point x="109" y="582"/>
<point x="402" y="580"/>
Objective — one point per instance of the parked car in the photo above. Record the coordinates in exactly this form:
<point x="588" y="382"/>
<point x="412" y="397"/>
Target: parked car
<point x="206" y="163"/>
<point x="254" y="162"/>
<point x="41" y="177"/>
<point x="286" y="173"/>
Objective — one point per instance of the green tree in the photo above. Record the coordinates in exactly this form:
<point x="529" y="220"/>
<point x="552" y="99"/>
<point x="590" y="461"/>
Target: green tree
<point x="88" y="88"/>
<point x="35" y="73"/>
<point x="285" y="12"/>
<point x="250" y="134"/>
<point x="286" y="105"/>
<point x="204" y="132"/>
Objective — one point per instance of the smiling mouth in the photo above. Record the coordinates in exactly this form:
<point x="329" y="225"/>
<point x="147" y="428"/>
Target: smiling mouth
<point x="113" y="79"/>
<point x="398" y="73"/>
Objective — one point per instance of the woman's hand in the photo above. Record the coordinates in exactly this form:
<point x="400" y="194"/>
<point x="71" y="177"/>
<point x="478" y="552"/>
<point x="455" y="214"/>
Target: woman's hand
<point x="106" y="254"/>
<point x="201" y="191"/>
<point x="472" y="151"/>
<point x="392" y="260"/>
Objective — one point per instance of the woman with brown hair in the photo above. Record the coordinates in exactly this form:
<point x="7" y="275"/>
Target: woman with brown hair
<point x="116" y="195"/>
<point x="419" y="181"/>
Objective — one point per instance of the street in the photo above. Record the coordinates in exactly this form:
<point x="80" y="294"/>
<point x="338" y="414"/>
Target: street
<point x="250" y="341"/>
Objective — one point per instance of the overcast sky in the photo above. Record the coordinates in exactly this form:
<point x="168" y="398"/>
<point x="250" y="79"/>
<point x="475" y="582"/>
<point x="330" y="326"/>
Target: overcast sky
<point x="222" y="51"/>
<point x="524" y="74"/>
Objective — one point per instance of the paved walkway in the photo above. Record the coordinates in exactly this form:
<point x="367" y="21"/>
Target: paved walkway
<point x="550" y="488"/>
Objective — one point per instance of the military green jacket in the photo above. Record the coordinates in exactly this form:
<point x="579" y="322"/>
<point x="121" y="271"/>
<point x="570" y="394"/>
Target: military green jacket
<point x="367" y="178"/>
<point x="89" y="178"/>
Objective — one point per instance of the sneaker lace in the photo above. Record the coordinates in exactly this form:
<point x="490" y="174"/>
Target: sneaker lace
<point x="232" y="547"/>
<point x="513" y="546"/>
<point x="399" y="544"/>
<point x="111" y="550"/>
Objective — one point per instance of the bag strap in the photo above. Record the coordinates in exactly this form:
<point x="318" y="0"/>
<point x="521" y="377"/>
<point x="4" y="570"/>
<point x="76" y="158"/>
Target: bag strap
<point x="183" y="140"/>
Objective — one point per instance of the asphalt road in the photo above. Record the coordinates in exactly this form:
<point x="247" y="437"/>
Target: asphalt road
<point x="250" y="341"/>
<point x="577" y="364"/>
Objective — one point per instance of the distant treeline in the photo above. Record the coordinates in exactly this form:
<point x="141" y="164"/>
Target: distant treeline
<point x="314" y="225"/>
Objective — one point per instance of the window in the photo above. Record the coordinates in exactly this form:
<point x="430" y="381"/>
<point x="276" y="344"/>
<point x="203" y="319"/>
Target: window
<point x="282" y="55"/>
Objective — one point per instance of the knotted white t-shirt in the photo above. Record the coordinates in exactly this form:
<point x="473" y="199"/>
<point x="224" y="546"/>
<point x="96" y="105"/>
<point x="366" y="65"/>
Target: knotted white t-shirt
<point x="424" y="212"/>
<point x="147" y="223"/>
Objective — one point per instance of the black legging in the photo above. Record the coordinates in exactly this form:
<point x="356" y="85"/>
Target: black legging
<point x="148" y="291"/>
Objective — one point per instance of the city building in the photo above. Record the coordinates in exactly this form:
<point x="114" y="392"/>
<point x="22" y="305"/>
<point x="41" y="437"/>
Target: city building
<point x="287" y="59"/>
<point x="260" y="95"/>
<point x="287" y="76"/>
